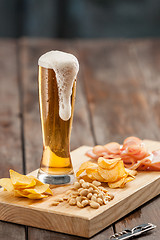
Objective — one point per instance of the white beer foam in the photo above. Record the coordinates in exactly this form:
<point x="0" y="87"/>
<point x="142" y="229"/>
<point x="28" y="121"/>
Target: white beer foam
<point x="66" y="67"/>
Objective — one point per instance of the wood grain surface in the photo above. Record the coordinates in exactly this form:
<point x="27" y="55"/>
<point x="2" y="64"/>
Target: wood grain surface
<point x="10" y="126"/>
<point x="119" y="96"/>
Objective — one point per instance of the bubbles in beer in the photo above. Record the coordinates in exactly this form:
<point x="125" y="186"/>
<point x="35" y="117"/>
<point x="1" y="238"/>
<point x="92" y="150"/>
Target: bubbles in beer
<point x="66" y="67"/>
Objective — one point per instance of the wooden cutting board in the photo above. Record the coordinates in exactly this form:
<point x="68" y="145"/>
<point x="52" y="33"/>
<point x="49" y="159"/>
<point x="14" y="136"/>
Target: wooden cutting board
<point x="81" y="222"/>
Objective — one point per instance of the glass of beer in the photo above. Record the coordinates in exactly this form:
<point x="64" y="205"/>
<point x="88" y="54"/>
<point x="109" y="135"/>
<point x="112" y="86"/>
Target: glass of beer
<point x="57" y="89"/>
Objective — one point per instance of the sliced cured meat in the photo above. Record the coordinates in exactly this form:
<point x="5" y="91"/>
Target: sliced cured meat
<point x="99" y="150"/>
<point x="134" y="149"/>
<point x="129" y="162"/>
<point x="141" y="165"/>
<point x="112" y="147"/>
<point x="131" y="141"/>
<point x="143" y="154"/>
<point x="133" y="153"/>
<point x="91" y="155"/>
<point x="156" y="156"/>
<point x="154" y="164"/>
<point x="151" y="163"/>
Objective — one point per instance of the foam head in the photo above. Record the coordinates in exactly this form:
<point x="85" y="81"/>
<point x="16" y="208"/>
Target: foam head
<point x="66" y="67"/>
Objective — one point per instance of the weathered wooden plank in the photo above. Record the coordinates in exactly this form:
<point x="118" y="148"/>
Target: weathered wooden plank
<point x="34" y="234"/>
<point x="10" y="126"/>
<point x="10" y="135"/>
<point x="122" y="85"/>
<point x="116" y="92"/>
<point x="147" y="55"/>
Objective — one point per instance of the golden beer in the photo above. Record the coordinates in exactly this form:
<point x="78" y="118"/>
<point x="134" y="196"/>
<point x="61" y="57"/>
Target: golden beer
<point x="56" y="166"/>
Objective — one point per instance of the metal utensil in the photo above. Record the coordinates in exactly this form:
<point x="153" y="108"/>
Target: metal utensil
<point x="129" y="233"/>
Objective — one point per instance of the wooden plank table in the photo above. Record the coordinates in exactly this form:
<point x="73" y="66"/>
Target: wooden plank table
<point x="118" y="95"/>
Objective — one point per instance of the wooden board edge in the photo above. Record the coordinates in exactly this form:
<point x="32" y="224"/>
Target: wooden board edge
<point x="44" y="220"/>
<point x="130" y="206"/>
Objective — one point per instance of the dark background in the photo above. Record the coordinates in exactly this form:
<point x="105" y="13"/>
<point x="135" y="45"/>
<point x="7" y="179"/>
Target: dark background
<point x="80" y="18"/>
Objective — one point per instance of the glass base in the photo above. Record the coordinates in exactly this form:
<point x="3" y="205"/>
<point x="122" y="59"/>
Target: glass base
<point x="55" y="179"/>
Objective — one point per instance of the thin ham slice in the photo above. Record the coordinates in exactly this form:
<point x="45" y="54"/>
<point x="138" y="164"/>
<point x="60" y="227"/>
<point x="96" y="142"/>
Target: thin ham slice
<point x="154" y="164"/>
<point x="91" y="155"/>
<point x="131" y="141"/>
<point x="150" y="163"/>
<point x="141" y="164"/>
<point x="112" y="147"/>
<point x="129" y="162"/>
<point x="99" y="150"/>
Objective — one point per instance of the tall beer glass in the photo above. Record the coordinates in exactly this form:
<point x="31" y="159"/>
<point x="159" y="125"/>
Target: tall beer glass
<point x="56" y="109"/>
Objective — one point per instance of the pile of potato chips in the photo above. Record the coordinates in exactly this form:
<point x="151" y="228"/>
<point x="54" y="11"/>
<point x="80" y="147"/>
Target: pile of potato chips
<point x="111" y="171"/>
<point x="25" y="186"/>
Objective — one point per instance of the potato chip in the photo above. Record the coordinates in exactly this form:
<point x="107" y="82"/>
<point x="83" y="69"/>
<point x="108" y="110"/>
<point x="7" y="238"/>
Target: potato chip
<point x="40" y="191"/>
<point x="87" y="164"/>
<point x="39" y="183"/>
<point x="131" y="173"/>
<point x="86" y="178"/>
<point x="128" y="179"/>
<point x="20" y="193"/>
<point x="110" y="175"/>
<point x="48" y="191"/>
<point x="80" y="172"/>
<point x="113" y="174"/>
<point x="36" y="196"/>
<point x="94" y="175"/>
<point x="20" y="181"/>
<point x="18" y="186"/>
<point x="84" y="166"/>
<point x="6" y="184"/>
<point x="37" y="189"/>
<point x="25" y="186"/>
<point x="107" y="163"/>
<point x="118" y="184"/>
